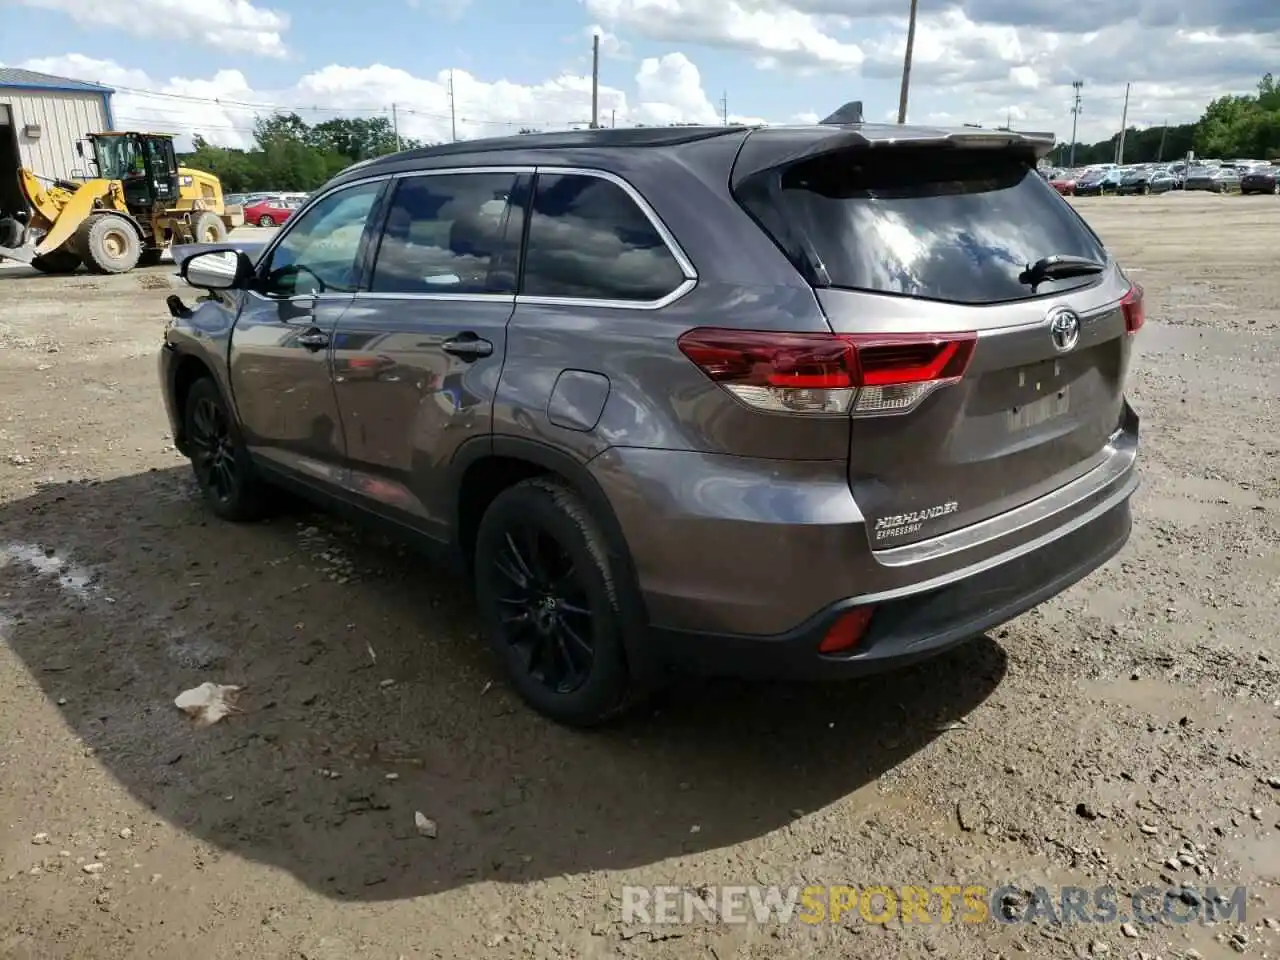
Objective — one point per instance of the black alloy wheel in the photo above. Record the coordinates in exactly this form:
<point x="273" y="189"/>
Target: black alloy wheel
<point x="546" y="614"/>
<point x="549" y="604"/>
<point x="222" y="467"/>
<point x="212" y="452"/>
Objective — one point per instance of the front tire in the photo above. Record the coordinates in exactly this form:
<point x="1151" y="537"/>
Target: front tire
<point x="549" y="605"/>
<point x="208" y="228"/>
<point x="219" y="459"/>
<point x="266" y="221"/>
<point x="108" y="244"/>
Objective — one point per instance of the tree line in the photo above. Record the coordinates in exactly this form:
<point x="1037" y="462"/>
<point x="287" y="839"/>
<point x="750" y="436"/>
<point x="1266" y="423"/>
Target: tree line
<point x="1232" y="127"/>
<point x="290" y="154"/>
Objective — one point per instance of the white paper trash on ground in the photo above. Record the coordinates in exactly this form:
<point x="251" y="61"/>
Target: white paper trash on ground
<point x="207" y="703"/>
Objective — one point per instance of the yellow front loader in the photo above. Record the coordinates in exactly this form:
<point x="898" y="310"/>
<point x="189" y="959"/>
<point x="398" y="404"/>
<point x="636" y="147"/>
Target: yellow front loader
<point x="139" y="204"/>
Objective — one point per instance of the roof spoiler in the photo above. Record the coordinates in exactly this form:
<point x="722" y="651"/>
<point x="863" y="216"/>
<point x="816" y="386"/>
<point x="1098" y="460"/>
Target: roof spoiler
<point x="851" y="112"/>
<point x="774" y="148"/>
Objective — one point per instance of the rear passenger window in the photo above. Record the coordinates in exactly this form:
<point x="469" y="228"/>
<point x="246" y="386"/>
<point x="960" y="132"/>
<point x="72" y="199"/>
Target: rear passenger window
<point x="444" y="234"/>
<point x="588" y="239"/>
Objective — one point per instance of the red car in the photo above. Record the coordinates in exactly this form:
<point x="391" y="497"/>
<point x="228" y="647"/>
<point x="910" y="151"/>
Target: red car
<point x="1064" y="183"/>
<point x="270" y="212"/>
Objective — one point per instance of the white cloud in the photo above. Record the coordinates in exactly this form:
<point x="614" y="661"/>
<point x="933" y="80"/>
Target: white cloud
<point x="670" y="91"/>
<point x="777" y="35"/>
<point x="227" y="24"/>
<point x="989" y="61"/>
<point x="610" y="44"/>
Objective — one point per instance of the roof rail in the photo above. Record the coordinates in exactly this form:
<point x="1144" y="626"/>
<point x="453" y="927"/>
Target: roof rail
<point x="851" y="112"/>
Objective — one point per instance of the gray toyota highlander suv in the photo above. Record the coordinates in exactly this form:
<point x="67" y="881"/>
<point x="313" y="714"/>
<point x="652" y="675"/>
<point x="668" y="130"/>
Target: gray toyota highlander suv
<point x="780" y="401"/>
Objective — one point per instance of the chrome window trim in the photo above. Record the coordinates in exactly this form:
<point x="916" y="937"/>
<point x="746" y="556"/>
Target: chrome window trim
<point x="279" y="238"/>
<point x="514" y="169"/>
<point x="668" y="239"/>
<point x="507" y="298"/>
<point x="665" y="234"/>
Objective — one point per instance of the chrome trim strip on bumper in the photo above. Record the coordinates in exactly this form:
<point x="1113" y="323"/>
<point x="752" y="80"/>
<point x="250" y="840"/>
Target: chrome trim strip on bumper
<point x="923" y="586"/>
<point x="1011" y="521"/>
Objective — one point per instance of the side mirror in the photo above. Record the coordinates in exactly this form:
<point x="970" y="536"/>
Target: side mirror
<point x="217" y="270"/>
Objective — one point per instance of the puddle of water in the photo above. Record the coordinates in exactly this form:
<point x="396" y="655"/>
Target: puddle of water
<point x="75" y="580"/>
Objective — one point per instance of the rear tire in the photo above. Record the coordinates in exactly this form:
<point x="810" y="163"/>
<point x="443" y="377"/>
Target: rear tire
<point x="208" y="227"/>
<point x="61" y="260"/>
<point x="549" y="605"/>
<point x="266" y="221"/>
<point x="224" y="472"/>
<point x="108" y="244"/>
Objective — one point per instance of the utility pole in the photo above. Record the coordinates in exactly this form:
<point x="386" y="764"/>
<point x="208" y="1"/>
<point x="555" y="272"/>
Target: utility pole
<point x="1164" y="132"/>
<point x="613" y="119"/>
<point x="724" y="107"/>
<point x="453" y="110"/>
<point x="395" y="125"/>
<point x="906" y="64"/>
<point x="595" y="81"/>
<point x="1124" y="123"/>
<point x="1075" y="116"/>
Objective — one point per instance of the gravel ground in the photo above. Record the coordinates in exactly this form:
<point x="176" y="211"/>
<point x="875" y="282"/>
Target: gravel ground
<point x="1125" y="734"/>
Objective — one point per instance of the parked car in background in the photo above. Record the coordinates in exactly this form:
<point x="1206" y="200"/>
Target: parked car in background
<point x="270" y="211"/>
<point x="1215" y="179"/>
<point x="1145" y="181"/>
<point x="1263" y="178"/>
<point x="1099" y="183"/>
<point x="1064" y="182"/>
<point x="546" y="357"/>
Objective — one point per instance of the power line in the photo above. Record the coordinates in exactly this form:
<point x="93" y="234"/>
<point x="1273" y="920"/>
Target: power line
<point x="248" y="105"/>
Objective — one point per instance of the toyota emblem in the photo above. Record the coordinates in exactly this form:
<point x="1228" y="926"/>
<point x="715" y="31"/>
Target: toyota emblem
<point x="1064" y="328"/>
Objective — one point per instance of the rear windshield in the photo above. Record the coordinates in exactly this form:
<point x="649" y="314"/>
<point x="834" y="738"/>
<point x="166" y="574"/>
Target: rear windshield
<point x="955" y="225"/>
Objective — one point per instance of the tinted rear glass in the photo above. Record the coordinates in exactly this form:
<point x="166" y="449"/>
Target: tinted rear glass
<point x="954" y="225"/>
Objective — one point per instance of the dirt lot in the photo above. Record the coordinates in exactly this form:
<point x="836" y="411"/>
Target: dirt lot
<point x="1126" y="734"/>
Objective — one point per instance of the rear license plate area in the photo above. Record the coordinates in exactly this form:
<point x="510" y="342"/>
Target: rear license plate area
<point x="1032" y="414"/>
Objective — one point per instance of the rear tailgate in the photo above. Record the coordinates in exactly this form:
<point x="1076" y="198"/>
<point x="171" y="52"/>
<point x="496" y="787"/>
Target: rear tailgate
<point x="915" y="239"/>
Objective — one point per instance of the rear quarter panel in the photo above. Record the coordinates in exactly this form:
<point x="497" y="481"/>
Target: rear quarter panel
<point x="657" y="398"/>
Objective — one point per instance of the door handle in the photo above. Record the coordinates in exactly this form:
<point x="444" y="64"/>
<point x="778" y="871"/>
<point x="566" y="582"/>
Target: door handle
<point x="468" y="346"/>
<point x="314" y="339"/>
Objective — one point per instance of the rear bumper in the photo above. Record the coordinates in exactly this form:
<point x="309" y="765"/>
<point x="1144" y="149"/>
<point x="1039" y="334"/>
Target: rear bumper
<point x="743" y="564"/>
<point x="913" y="627"/>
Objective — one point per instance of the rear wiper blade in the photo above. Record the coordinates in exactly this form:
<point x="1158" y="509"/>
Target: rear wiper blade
<point x="1060" y="266"/>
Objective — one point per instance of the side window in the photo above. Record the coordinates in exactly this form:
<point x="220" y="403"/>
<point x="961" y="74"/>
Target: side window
<point x="444" y="234"/>
<point x="318" y="254"/>
<point x="588" y="239"/>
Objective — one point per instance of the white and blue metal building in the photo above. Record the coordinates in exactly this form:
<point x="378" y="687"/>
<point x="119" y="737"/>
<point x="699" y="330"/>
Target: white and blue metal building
<point x="43" y="116"/>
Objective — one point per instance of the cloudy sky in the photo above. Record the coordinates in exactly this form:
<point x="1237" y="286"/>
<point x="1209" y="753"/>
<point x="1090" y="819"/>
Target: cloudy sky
<point x="528" y="65"/>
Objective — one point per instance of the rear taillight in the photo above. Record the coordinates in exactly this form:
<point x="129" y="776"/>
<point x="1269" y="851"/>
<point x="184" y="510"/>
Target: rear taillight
<point x="829" y="373"/>
<point x="1135" y="314"/>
